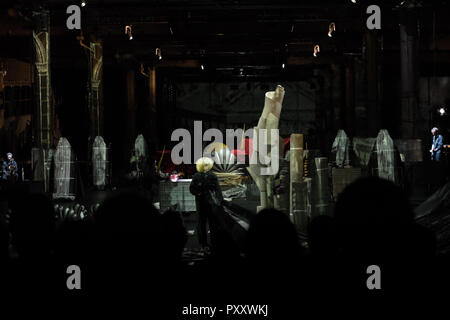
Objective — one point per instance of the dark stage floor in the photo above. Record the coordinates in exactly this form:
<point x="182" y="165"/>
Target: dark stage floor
<point x="192" y="252"/>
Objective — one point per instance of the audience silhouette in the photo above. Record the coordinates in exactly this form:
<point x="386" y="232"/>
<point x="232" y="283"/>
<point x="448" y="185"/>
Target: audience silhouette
<point x="4" y="245"/>
<point x="375" y="226"/>
<point x="32" y="226"/>
<point x="272" y="240"/>
<point x="126" y="243"/>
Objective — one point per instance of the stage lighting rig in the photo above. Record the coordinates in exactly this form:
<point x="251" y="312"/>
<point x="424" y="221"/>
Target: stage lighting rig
<point x="129" y="32"/>
<point x="158" y="53"/>
<point x="331" y="29"/>
<point x="316" y="50"/>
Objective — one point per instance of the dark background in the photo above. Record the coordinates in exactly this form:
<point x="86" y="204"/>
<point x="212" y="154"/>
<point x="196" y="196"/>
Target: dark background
<point x="355" y="83"/>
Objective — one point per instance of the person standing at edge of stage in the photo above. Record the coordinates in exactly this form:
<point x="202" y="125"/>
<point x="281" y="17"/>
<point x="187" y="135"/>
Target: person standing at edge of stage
<point x="9" y="170"/>
<point x="437" y="144"/>
<point x="205" y="187"/>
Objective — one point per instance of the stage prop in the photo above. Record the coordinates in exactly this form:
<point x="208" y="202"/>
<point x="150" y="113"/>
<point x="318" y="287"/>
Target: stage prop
<point x="385" y="155"/>
<point x="296" y="173"/>
<point x="140" y="158"/>
<point x="362" y="147"/>
<point x="341" y="146"/>
<point x="300" y="187"/>
<point x="176" y="194"/>
<point x="100" y="163"/>
<point x="236" y="192"/>
<point x="321" y="193"/>
<point x="42" y="162"/>
<point x="282" y="185"/>
<point x="301" y="204"/>
<point x="228" y="171"/>
<point x="269" y="120"/>
<point x="64" y="176"/>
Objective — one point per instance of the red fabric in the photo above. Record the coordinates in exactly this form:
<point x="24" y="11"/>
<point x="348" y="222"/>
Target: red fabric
<point x="287" y="145"/>
<point x="167" y="166"/>
<point x="248" y="147"/>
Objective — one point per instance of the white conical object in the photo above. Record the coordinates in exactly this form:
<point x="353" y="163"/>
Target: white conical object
<point x="224" y="161"/>
<point x="66" y="212"/>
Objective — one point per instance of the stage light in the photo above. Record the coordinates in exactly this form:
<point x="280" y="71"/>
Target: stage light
<point x="129" y="32"/>
<point x="283" y="66"/>
<point x="83" y="3"/>
<point x="442" y="111"/>
<point x="354" y="1"/>
<point x="158" y="53"/>
<point x="3" y="70"/>
<point x="316" y="50"/>
<point x="331" y="29"/>
<point x="203" y="67"/>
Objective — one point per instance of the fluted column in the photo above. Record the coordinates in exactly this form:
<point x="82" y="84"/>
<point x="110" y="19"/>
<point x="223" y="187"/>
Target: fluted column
<point x="95" y="90"/>
<point x="41" y="41"/>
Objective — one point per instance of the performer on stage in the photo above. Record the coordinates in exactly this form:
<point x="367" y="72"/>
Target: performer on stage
<point x="10" y="170"/>
<point x="437" y="145"/>
<point x="208" y="196"/>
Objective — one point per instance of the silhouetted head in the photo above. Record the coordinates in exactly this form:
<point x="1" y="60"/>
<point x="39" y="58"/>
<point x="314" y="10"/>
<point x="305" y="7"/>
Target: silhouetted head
<point x="128" y="246"/>
<point x="272" y="239"/>
<point x="128" y="224"/>
<point x="372" y="216"/>
<point x="32" y="226"/>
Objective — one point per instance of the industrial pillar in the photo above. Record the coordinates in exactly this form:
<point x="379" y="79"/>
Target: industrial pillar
<point x="299" y="187"/>
<point x="42" y="121"/>
<point x="349" y="114"/>
<point x="336" y="96"/>
<point x="95" y="90"/>
<point x="151" y="110"/>
<point x="373" y="110"/>
<point x="41" y="41"/>
<point x="131" y="108"/>
<point x="409" y="76"/>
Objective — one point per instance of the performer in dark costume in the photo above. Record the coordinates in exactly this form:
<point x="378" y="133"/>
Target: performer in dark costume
<point x="208" y="196"/>
<point x="10" y="170"/>
<point x="437" y="145"/>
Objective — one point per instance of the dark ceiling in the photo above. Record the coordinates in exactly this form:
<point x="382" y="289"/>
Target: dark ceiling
<point x="226" y="33"/>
